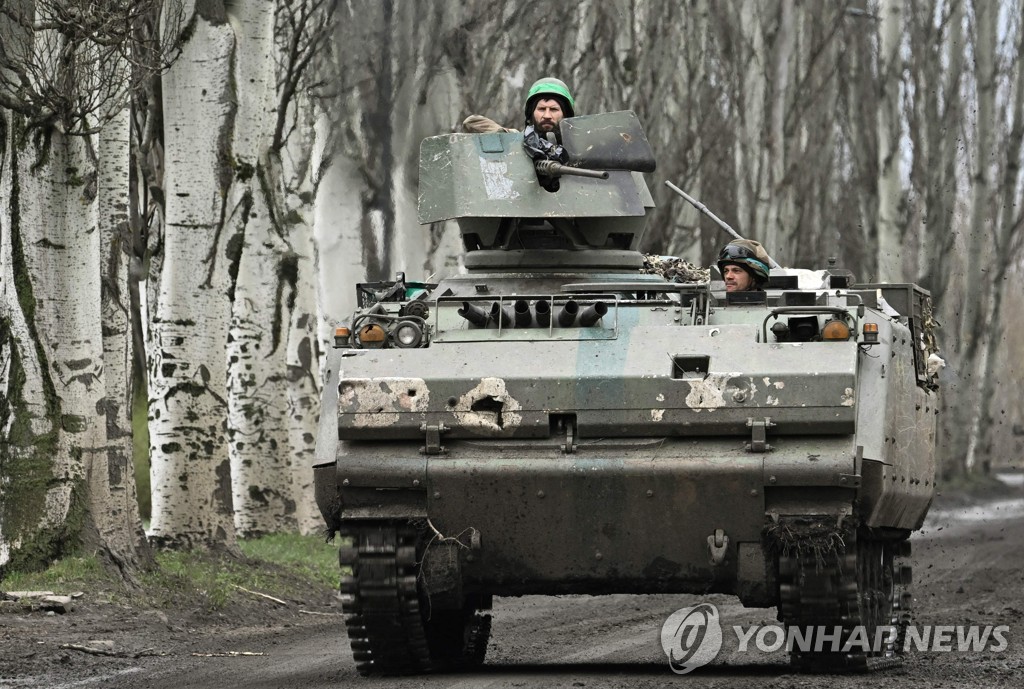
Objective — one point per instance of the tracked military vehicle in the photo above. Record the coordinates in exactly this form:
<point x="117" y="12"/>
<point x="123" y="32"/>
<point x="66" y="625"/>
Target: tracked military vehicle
<point x="554" y="421"/>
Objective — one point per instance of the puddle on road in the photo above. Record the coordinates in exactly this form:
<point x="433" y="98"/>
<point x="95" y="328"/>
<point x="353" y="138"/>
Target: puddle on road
<point x="992" y="511"/>
<point x="1004" y="509"/>
<point x="1016" y="480"/>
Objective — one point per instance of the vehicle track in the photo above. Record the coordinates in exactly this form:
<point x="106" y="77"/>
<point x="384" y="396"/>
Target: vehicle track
<point x="967" y="570"/>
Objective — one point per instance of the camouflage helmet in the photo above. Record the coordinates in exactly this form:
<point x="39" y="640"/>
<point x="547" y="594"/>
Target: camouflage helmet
<point x="552" y="88"/>
<point x="747" y="254"/>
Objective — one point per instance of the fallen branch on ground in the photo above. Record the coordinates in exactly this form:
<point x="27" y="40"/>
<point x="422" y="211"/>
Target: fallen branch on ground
<point x="146" y="652"/>
<point x="261" y="595"/>
<point x="93" y="651"/>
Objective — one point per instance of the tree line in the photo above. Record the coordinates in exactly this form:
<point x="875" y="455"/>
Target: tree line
<point x="190" y="190"/>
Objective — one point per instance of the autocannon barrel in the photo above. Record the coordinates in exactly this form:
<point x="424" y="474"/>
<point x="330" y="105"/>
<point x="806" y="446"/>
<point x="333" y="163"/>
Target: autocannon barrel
<point x="550" y="168"/>
<point x="593" y="313"/>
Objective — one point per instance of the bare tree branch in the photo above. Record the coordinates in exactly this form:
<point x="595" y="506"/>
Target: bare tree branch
<point x="61" y="68"/>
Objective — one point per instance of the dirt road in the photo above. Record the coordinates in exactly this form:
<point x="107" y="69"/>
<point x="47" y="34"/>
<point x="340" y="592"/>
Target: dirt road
<point x="968" y="565"/>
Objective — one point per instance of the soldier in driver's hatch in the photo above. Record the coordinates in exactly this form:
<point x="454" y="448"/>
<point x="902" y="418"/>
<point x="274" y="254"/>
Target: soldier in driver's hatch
<point x="744" y="265"/>
<point x="547" y="102"/>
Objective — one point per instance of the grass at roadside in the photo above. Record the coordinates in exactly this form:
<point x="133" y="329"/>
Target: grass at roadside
<point x="282" y="565"/>
<point x="64" y="576"/>
<point x="308" y="556"/>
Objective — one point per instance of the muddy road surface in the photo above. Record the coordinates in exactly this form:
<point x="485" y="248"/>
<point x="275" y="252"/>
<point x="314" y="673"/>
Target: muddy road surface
<point x="968" y="570"/>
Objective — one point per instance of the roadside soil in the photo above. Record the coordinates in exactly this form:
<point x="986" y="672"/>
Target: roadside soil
<point x="968" y="569"/>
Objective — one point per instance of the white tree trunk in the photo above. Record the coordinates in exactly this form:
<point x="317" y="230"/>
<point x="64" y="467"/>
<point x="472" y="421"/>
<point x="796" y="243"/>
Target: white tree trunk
<point x="1008" y="220"/>
<point x="59" y="245"/>
<point x="890" y="188"/>
<point x="113" y="497"/>
<point x="339" y="237"/>
<point x="686" y="238"/>
<point x="257" y="403"/>
<point x="304" y="382"/>
<point x="751" y="171"/>
<point x="65" y="473"/>
<point x="776" y="231"/>
<point x="191" y="479"/>
<point x="974" y="328"/>
<point x="299" y="174"/>
<point x="29" y="417"/>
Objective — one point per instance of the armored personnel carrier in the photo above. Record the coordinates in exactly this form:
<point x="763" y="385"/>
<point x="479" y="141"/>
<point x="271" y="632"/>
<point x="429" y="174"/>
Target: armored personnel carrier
<point x="554" y="421"/>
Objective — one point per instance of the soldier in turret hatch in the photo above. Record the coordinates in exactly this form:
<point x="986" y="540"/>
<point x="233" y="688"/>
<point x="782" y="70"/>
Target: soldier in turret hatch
<point x="548" y="102"/>
<point x="744" y="265"/>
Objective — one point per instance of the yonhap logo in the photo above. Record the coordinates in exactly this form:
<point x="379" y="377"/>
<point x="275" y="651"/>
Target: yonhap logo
<point x="691" y="637"/>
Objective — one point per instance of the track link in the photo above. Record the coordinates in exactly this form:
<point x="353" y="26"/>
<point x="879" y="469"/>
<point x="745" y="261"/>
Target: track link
<point x="859" y="591"/>
<point x="388" y="628"/>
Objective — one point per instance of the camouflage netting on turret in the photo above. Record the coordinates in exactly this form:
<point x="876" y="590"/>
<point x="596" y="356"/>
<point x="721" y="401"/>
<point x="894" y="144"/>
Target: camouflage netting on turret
<point x="674" y="269"/>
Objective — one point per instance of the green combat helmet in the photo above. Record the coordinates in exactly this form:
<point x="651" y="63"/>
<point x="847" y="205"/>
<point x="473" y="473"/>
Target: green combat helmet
<point x="749" y="255"/>
<point x="551" y="87"/>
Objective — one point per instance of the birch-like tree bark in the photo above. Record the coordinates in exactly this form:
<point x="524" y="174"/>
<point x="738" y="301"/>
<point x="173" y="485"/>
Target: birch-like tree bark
<point x="65" y="478"/>
<point x="191" y="477"/>
<point x="114" y="500"/>
<point x="935" y="127"/>
<point x="56" y="231"/>
<point x="273" y="354"/>
<point x="777" y="228"/>
<point x="296" y="163"/>
<point x="890" y="230"/>
<point x="855" y="193"/>
<point x="1007" y="242"/>
<point x="812" y="184"/>
<point x="974" y="307"/>
<point x="749" y="91"/>
<point x="302" y="359"/>
<point x="257" y="405"/>
<point x="36" y="478"/>
<point x="685" y="109"/>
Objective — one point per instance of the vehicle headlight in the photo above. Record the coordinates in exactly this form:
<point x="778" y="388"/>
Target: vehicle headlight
<point x="407" y="334"/>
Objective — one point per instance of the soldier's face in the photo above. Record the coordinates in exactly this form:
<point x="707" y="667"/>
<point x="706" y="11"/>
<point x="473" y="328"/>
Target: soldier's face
<point x="547" y="114"/>
<point x="736" y="278"/>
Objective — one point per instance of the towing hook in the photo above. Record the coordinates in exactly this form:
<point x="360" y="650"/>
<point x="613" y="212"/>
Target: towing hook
<point x="718" y="543"/>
